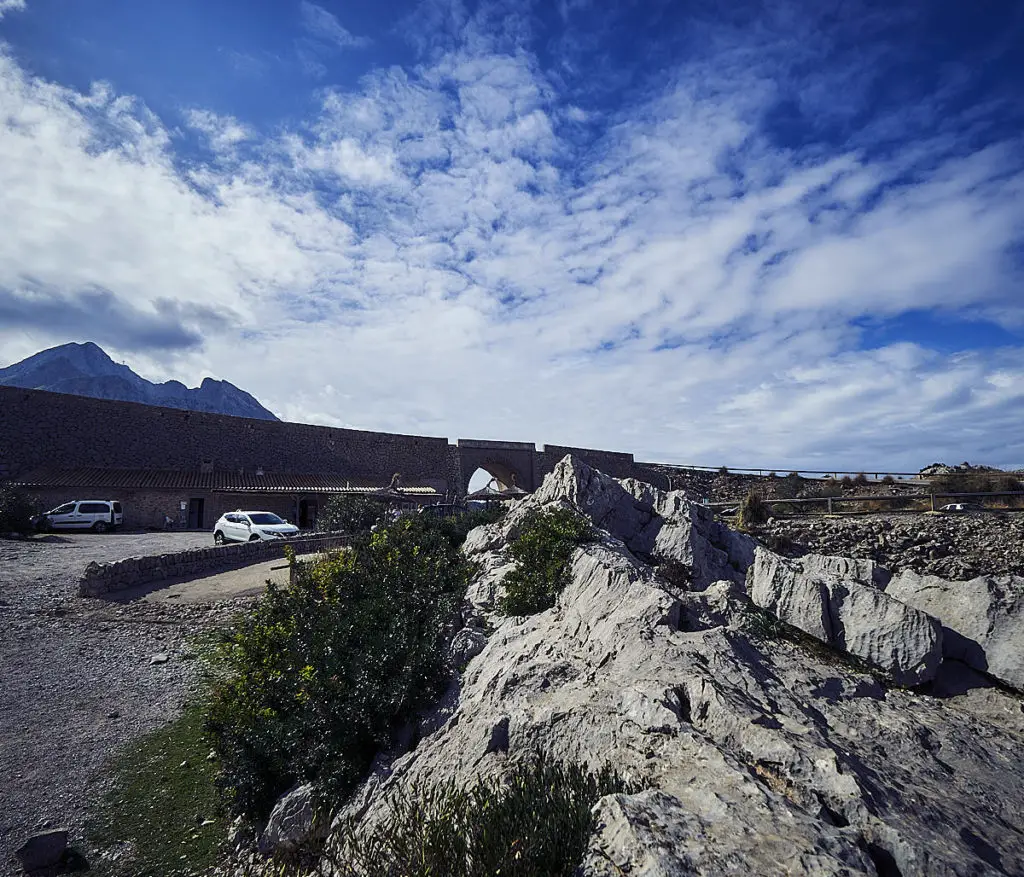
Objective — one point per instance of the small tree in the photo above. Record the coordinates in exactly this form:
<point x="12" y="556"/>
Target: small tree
<point x="16" y="510"/>
<point x="350" y="513"/>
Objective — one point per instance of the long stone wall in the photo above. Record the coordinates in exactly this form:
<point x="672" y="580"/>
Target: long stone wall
<point x="41" y="429"/>
<point x="104" y="578"/>
<point x="55" y="429"/>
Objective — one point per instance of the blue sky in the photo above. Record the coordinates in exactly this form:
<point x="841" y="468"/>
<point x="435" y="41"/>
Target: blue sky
<point x="781" y="234"/>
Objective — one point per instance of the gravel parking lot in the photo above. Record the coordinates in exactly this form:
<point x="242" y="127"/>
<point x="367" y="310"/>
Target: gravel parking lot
<point x="77" y="676"/>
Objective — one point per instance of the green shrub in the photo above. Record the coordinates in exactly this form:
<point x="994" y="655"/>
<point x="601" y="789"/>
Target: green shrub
<point x="789" y="487"/>
<point x="16" y="510"/>
<point x="534" y="823"/>
<point x="458" y="527"/>
<point x="754" y="511"/>
<point x="350" y="513"/>
<point x="545" y="543"/>
<point x="317" y="677"/>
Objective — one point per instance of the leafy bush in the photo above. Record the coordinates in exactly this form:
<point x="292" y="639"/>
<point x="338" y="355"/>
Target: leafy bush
<point x="542" y="549"/>
<point x="458" y="527"/>
<point x="536" y="823"/>
<point x="846" y="481"/>
<point x="754" y="511"/>
<point x="723" y="470"/>
<point x="888" y="480"/>
<point x="317" y="677"/>
<point x="861" y="479"/>
<point x="350" y="513"/>
<point x="789" y="487"/>
<point x="16" y="510"/>
<point x="830" y="487"/>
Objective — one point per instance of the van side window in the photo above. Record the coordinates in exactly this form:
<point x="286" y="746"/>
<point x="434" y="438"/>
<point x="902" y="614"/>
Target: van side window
<point x="94" y="508"/>
<point x="65" y="509"/>
<point x="117" y="508"/>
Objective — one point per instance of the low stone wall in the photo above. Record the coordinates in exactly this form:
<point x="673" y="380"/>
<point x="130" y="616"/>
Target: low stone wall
<point x="104" y="578"/>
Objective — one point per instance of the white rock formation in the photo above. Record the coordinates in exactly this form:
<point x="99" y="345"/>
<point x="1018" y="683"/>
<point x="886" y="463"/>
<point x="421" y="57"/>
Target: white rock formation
<point x="754" y="755"/>
<point x="982" y="619"/>
<point x="823" y="597"/>
<point x="293" y="822"/>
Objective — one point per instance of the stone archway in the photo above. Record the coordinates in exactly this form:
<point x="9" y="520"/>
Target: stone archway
<point x="508" y="462"/>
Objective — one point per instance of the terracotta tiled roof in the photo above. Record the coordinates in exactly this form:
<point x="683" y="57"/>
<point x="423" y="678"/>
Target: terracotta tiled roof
<point x="249" y="482"/>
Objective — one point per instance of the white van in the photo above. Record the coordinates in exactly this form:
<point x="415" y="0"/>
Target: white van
<point x="98" y="515"/>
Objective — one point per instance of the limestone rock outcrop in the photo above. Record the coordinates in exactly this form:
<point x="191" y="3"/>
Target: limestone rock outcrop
<point x="982" y="619"/>
<point x="293" y="822"/>
<point x="833" y="600"/>
<point x="753" y="754"/>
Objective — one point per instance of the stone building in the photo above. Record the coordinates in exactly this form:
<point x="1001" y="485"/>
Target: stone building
<point x="192" y="466"/>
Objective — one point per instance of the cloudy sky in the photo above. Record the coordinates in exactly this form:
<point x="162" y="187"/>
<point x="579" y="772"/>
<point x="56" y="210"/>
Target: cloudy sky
<point x="759" y="234"/>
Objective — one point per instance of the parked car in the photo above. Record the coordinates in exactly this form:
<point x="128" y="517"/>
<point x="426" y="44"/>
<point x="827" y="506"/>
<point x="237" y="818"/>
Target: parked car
<point x="242" y="526"/>
<point x="961" y="507"/>
<point x="98" y="515"/>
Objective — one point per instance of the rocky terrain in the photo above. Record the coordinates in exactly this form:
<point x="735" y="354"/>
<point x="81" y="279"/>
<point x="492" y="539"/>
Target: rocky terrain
<point x="954" y="546"/>
<point x="80" y="677"/>
<point x="780" y="715"/>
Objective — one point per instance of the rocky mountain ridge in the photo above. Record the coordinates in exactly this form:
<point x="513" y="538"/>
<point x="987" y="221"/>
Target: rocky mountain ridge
<point x="807" y="715"/>
<point x="86" y="370"/>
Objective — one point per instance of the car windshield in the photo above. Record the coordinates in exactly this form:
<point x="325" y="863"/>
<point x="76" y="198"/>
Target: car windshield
<point x="264" y="518"/>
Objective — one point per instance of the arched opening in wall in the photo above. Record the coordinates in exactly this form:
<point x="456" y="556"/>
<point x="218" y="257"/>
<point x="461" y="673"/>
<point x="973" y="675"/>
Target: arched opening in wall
<point x="495" y="475"/>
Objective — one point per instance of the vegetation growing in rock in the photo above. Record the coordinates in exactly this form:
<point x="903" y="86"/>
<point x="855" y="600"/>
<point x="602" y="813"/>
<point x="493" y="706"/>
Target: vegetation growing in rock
<point x="317" y="677"/>
<point x="534" y="823"/>
<point x="16" y="510"/>
<point x="754" y="511"/>
<point x="542" y="550"/>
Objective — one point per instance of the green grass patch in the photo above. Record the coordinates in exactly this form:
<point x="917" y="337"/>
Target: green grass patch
<point x="542" y="551"/>
<point x="152" y="818"/>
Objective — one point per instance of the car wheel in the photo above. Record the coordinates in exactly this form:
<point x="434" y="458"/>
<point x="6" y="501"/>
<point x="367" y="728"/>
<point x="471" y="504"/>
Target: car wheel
<point x="254" y="538"/>
<point x="99" y="527"/>
<point x="218" y="537"/>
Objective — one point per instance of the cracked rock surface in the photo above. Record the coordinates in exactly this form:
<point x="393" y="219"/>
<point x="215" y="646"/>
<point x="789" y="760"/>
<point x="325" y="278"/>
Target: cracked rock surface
<point x="755" y="753"/>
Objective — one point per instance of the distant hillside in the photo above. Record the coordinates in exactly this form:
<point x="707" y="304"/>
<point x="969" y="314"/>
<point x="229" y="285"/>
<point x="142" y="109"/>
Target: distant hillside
<point x="86" y="370"/>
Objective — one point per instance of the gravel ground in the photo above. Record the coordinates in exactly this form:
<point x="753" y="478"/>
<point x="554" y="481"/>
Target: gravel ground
<point x="76" y="678"/>
<point x="954" y="545"/>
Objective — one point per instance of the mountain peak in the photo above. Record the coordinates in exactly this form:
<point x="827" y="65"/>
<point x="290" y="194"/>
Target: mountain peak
<point x="85" y="369"/>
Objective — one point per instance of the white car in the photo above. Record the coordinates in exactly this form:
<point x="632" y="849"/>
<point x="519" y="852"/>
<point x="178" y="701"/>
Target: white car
<point x="98" y="515"/>
<point x="251" y="526"/>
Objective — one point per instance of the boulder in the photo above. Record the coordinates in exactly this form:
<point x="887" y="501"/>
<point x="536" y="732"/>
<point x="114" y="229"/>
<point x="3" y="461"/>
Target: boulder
<point x="653" y="523"/>
<point x="820" y="596"/>
<point x="293" y="822"/>
<point x="982" y="619"/>
<point x="43" y="850"/>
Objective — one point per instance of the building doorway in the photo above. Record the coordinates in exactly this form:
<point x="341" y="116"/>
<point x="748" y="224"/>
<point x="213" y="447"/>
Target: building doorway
<point x="195" y="513"/>
<point x="307" y="514"/>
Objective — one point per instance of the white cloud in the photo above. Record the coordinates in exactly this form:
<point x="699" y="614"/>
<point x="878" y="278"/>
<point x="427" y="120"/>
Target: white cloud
<point x="11" y="6"/>
<point x="435" y="253"/>
<point x="325" y="26"/>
